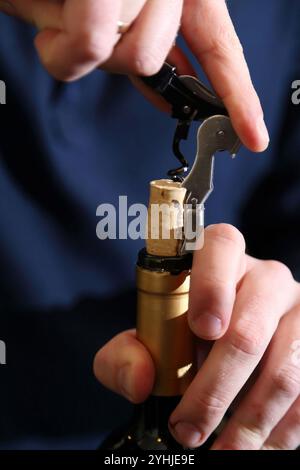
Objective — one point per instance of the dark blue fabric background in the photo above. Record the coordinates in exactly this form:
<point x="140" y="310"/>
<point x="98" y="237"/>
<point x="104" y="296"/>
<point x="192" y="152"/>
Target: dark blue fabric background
<point x="65" y="149"/>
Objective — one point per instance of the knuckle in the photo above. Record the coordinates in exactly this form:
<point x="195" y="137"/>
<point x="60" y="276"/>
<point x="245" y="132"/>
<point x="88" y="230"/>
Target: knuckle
<point x="146" y="62"/>
<point x="211" y="406"/>
<point x="224" y="43"/>
<point x="93" y="47"/>
<point x="261" y="418"/>
<point x="287" y="381"/>
<point x="214" y="291"/>
<point x="279" y="270"/>
<point x="227" y="40"/>
<point x="227" y="234"/>
<point x="257" y="428"/>
<point x="247" y="339"/>
<point x="254" y="434"/>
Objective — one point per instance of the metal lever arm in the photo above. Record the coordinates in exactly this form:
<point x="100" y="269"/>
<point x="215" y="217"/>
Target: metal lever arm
<point x="215" y="134"/>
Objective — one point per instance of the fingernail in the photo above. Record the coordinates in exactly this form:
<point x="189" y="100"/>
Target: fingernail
<point x="124" y="381"/>
<point x="263" y="132"/>
<point x="6" y="7"/>
<point x="187" y="434"/>
<point x="208" y="325"/>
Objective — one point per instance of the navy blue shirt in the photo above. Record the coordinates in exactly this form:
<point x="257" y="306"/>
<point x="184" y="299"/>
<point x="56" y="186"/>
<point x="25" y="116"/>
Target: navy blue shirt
<point x="67" y="148"/>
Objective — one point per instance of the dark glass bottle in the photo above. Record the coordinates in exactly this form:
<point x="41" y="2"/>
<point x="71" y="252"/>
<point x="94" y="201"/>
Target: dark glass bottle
<point x="149" y="429"/>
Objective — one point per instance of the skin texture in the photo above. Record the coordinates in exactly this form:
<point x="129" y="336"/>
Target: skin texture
<point x="254" y="360"/>
<point x="76" y="37"/>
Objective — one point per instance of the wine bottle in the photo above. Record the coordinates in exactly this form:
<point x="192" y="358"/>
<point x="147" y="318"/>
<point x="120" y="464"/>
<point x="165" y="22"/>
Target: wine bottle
<point x="163" y="281"/>
<point x="148" y="429"/>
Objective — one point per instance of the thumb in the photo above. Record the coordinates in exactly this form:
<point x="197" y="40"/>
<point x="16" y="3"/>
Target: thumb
<point x="124" y="366"/>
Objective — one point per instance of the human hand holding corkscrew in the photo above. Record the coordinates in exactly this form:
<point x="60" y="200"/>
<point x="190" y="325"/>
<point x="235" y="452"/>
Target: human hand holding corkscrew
<point x="76" y="37"/>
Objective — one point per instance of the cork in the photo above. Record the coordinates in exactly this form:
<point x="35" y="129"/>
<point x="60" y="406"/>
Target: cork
<point x="165" y="218"/>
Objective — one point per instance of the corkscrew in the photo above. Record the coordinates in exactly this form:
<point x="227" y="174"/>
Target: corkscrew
<point x="191" y="101"/>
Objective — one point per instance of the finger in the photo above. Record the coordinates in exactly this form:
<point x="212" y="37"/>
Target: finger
<point x="209" y="32"/>
<point x="130" y="9"/>
<point x="286" y="435"/>
<point x="274" y="392"/>
<point x="144" y="48"/>
<point x="217" y="269"/>
<point x="259" y="304"/>
<point x="124" y="366"/>
<point x="86" y="40"/>
<point x="179" y="59"/>
<point x="42" y="14"/>
<point x="184" y="67"/>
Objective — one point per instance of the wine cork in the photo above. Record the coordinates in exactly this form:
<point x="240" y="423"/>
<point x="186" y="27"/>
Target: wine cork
<point x="165" y="218"/>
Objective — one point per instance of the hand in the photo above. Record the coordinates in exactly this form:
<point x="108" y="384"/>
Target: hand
<point x="251" y="308"/>
<point x="75" y="37"/>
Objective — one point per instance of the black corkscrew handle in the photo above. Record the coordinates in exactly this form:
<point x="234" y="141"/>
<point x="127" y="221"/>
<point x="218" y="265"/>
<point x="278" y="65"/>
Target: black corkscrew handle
<point x="191" y="101"/>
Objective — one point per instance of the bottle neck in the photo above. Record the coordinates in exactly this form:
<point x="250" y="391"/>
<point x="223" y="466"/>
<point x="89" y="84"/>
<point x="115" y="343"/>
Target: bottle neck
<point x="155" y="412"/>
<point x="151" y="419"/>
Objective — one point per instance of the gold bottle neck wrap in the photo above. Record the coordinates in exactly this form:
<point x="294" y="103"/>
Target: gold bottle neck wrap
<point x="162" y="327"/>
